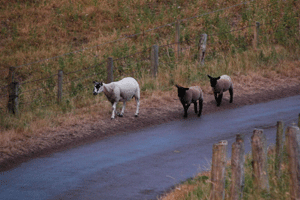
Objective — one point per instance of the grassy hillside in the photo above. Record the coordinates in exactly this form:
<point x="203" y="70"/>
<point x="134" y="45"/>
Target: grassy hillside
<point x="41" y="37"/>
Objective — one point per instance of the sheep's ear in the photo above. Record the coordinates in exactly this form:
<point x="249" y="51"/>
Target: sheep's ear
<point x="177" y="86"/>
<point x="218" y="78"/>
<point x="94" y="82"/>
<point x="209" y="76"/>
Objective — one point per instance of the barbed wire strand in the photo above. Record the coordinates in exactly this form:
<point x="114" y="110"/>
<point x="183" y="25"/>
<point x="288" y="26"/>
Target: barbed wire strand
<point x="26" y="82"/>
<point x="85" y="68"/>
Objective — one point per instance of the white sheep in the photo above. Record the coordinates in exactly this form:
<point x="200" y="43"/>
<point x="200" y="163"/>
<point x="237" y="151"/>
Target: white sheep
<point x="220" y="85"/>
<point x="190" y="95"/>
<point x="122" y="90"/>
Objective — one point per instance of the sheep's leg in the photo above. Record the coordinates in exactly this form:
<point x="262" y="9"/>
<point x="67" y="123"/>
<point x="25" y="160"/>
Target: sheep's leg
<point x="195" y="107"/>
<point x="219" y="99"/>
<point x="185" y="110"/>
<point x="113" y="110"/>
<point x="123" y="109"/>
<point x="137" y="106"/>
<point x="216" y="96"/>
<point x="200" y="107"/>
<point x="231" y="94"/>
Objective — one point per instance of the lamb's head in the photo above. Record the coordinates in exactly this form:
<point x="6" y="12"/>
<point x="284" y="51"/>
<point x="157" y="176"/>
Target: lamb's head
<point x="98" y="87"/>
<point x="213" y="81"/>
<point x="181" y="91"/>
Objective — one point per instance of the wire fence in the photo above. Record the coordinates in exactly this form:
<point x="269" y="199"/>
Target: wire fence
<point x="45" y="89"/>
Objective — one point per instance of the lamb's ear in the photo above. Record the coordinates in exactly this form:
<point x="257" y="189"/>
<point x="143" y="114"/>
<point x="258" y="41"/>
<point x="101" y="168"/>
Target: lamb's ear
<point x="218" y="78"/>
<point x="209" y="76"/>
<point x="178" y="86"/>
<point x="186" y="88"/>
<point x="94" y="82"/>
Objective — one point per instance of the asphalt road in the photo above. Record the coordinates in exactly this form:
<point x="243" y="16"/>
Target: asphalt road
<point x="144" y="164"/>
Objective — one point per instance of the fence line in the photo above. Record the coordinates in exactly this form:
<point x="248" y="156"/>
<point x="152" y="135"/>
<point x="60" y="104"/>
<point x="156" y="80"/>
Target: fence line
<point x="26" y="82"/>
<point x="140" y="51"/>
<point x="85" y="68"/>
<point x="120" y="59"/>
<point x="259" y="164"/>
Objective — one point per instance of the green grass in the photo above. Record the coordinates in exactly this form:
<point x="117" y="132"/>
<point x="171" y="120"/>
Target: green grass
<point x="30" y="36"/>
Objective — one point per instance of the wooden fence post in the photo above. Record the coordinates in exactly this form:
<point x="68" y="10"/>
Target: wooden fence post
<point x="259" y="154"/>
<point x="110" y="70"/>
<point x="279" y="148"/>
<point x="292" y="136"/>
<point x="177" y="38"/>
<point x="256" y="36"/>
<point x="13" y="103"/>
<point x="59" y="86"/>
<point x="11" y="75"/>
<point x="217" y="191"/>
<point x="154" y="60"/>
<point x="299" y="120"/>
<point x="202" y="48"/>
<point x="237" y="168"/>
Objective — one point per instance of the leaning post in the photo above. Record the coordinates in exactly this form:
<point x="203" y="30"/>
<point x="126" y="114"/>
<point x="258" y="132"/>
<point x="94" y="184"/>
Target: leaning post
<point x="217" y="191"/>
<point x="279" y="148"/>
<point x="259" y="154"/>
<point x="292" y="136"/>
<point x="237" y="168"/>
<point x="202" y="48"/>
<point x="59" y="86"/>
<point x="11" y="75"/>
<point x="110" y="70"/>
<point x="154" y="60"/>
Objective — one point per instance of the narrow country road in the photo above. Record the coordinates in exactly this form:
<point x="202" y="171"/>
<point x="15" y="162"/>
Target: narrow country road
<point x="144" y="164"/>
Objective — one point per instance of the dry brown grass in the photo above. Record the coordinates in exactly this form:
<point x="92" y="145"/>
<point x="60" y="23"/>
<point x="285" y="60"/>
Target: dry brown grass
<point x="184" y="190"/>
<point x="34" y="30"/>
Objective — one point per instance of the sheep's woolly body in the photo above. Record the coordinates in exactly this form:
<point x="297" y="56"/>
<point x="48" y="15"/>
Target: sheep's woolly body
<point x="190" y="95"/>
<point x="220" y="85"/>
<point x="223" y="84"/>
<point x="123" y="91"/>
<point x="193" y="94"/>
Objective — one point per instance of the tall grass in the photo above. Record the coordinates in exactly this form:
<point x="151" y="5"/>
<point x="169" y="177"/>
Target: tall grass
<point x="36" y="30"/>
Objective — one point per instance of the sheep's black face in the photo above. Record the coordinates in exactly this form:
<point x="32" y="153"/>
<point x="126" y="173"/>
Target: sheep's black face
<point x="97" y="87"/>
<point x="213" y="81"/>
<point x="181" y="91"/>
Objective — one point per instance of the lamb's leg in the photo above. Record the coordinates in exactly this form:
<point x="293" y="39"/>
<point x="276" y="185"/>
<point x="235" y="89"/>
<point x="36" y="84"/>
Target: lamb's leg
<point x="137" y="106"/>
<point x="231" y="94"/>
<point x="123" y="109"/>
<point x="216" y="96"/>
<point x="185" y="110"/>
<point x="219" y="99"/>
<point x="195" y="107"/>
<point x="200" y="107"/>
<point x="113" y="110"/>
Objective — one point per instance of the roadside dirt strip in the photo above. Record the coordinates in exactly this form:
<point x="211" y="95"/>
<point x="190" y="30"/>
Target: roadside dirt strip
<point x="166" y="109"/>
